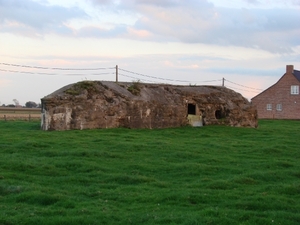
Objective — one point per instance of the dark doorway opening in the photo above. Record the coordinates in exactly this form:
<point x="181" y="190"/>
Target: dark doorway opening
<point x="219" y="114"/>
<point x="191" y="109"/>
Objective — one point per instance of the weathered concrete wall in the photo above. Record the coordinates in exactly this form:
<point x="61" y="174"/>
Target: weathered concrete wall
<point x="95" y="104"/>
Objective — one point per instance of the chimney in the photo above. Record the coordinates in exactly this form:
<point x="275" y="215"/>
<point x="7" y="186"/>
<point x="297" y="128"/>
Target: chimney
<point x="290" y="69"/>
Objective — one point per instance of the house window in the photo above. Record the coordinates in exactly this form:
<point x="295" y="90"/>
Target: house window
<point x="279" y="107"/>
<point x="269" y="106"/>
<point x="295" y="89"/>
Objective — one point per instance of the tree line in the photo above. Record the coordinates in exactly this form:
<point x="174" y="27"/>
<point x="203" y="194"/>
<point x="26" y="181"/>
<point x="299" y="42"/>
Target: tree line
<point x="29" y="104"/>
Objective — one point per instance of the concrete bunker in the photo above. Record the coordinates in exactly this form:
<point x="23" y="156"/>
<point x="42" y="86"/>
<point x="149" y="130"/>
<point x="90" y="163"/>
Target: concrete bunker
<point x="105" y="104"/>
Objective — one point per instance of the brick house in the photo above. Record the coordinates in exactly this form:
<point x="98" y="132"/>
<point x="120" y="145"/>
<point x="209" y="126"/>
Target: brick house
<point x="281" y="100"/>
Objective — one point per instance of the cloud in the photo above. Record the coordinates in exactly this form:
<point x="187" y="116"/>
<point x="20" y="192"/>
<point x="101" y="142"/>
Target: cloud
<point x="245" y="71"/>
<point x="101" y="2"/>
<point x="252" y="1"/>
<point x="266" y="3"/>
<point x="161" y="3"/>
<point x="101" y="32"/>
<point x="34" y="19"/>
<point x="139" y="33"/>
<point x="270" y="30"/>
<point x="274" y="30"/>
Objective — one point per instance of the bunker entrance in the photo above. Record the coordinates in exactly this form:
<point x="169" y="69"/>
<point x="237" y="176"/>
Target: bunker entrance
<point x="191" y="109"/>
<point x="219" y="114"/>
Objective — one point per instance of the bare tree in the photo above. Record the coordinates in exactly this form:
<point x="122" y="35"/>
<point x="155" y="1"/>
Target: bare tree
<point x="17" y="104"/>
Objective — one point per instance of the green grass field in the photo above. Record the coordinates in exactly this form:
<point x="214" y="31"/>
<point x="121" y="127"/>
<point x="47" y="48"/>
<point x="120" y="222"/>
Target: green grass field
<point x="208" y="175"/>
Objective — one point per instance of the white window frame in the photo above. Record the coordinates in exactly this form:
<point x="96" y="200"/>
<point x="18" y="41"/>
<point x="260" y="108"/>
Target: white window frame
<point x="269" y="107"/>
<point x="295" y="90"/>
<point x="279" y="107"/>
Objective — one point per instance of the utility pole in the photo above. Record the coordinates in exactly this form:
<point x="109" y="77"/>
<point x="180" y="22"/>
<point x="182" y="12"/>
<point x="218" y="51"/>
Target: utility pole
<point x="117" y="74"/>
<point x="223" y="82"/>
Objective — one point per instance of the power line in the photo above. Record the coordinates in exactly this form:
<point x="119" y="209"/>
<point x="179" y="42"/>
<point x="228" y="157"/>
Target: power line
<point x="14" y="71"/>
<point x="209" y="81"/>
<point x="55" y="74"/>
<point x="107" y="73"/>
<point x="167" y="79"/>
<point x="241" y="89"/>
<point x="53" y="68"/>
<point x="159" y="78"/>
<point x="243" y="85"/>
<point x="134" y="77"/>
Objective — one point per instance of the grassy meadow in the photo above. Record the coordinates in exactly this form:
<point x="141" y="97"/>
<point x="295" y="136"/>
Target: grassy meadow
<point x="208" y="175"/>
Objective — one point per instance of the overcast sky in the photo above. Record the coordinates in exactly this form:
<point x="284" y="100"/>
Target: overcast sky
<point x="247" y="42"/>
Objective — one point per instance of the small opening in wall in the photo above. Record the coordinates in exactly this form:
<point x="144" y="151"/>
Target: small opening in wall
<point x="191" y="109"/>
<point x="219" y="114"/>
